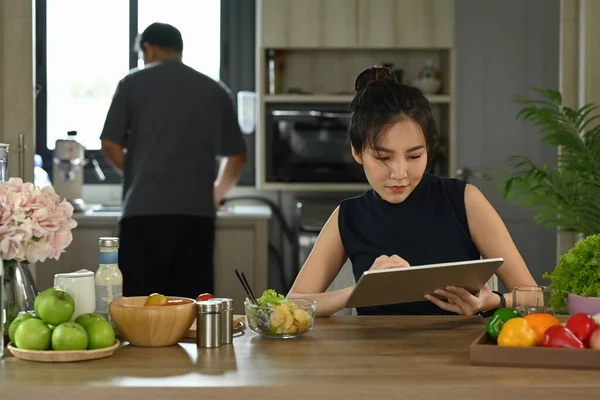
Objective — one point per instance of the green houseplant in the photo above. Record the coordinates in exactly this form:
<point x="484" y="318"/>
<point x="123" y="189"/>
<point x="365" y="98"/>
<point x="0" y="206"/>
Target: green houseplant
<point x="565" y="196"/>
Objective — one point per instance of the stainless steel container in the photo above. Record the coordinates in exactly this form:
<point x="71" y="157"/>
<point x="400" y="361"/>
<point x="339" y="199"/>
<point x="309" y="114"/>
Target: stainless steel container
<point x="227" y="320"/>
<point x="209" y="323"/>
<point x="3" y="162"/>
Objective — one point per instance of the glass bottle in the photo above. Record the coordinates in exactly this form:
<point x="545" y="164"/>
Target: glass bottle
<point x="3" y="178"/>
<point x="109" y="280"/>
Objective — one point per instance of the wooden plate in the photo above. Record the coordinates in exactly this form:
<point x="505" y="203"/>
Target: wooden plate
<point x="239" y="324"/>
<point x="63" y="356"/>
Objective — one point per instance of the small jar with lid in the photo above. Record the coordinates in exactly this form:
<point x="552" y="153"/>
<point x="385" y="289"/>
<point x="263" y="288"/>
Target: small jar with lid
<point x="227" y="320"/>
<point x="209" y="323"/>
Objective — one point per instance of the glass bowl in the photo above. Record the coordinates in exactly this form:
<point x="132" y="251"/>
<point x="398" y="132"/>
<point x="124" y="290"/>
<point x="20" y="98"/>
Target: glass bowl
<point x="283" y="321"/>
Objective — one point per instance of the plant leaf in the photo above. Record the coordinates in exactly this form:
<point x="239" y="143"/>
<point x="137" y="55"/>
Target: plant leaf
<point x="565" y="196"/>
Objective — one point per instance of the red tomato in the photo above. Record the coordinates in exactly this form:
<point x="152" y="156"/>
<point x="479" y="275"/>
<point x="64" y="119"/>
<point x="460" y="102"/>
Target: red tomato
<point x="204" y="297"/>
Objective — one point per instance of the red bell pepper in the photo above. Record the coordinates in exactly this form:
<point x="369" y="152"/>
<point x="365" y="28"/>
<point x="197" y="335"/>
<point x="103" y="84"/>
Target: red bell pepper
<point x="582" y="325"/>
<point x="561" y="337"/>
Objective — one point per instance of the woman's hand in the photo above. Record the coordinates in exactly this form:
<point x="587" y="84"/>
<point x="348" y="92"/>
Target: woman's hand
<point x="385" y="262"/>
<point x="461" y="301"/>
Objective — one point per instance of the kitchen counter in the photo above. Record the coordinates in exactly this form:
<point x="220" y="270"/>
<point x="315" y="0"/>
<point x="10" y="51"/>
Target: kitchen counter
<point x="95" y="216"/>
<point x="342" y="358"/>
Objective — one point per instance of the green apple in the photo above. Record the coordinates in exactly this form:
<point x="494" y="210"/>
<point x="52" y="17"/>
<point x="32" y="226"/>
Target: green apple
<point x="86" y="319"/>
<point x="101" y="334"/>
<point x="33" y="334"/>
<point x="69" y="336"/>
<point x="54" y="306"/>
<point x="16" y="322"/>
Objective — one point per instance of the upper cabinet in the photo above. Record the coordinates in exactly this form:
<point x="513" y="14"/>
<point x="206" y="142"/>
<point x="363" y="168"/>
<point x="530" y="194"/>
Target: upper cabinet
<point x="357" y="23"/>
<point x="405" y="23"/>
<point x="309" y="23"/>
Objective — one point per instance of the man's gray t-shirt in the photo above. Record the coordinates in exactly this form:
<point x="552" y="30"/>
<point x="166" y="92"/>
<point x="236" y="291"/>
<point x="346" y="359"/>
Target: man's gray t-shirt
<point x="173" y="122"/>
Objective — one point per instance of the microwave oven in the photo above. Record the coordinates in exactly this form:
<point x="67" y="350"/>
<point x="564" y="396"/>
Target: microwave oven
<point x="308" y="143"/>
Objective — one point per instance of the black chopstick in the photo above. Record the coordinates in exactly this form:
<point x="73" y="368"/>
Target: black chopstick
<point x="245" y="286"/>
<point x="249" y="288"/>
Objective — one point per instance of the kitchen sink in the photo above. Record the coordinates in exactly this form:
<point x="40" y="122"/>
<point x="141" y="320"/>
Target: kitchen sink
<point x="101" y="209"/>
<point x="110" y="208"/>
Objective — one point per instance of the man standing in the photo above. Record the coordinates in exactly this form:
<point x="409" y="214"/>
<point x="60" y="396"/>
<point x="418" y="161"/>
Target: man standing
<point x="165" y="127"/>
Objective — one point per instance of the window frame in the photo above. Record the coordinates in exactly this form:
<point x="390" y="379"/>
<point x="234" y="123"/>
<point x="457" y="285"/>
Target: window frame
<point x="227" y="73"/>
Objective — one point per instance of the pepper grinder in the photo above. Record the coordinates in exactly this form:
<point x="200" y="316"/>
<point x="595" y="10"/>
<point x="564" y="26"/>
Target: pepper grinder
<point x="209" y="324"/>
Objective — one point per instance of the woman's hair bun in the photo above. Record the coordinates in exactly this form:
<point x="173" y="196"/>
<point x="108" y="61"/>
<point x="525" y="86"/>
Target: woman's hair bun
<point x="371" y="76"/>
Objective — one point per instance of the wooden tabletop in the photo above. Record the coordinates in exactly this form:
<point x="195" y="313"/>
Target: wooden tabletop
<point x="343" y="357"/>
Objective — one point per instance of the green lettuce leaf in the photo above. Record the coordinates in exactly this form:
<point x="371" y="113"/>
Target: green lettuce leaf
<point x="578" y="272"/>
<point x="271" y="298"/>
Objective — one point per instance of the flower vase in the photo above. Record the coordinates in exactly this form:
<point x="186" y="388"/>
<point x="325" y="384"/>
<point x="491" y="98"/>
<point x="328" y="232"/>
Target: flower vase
<point x="18" y="291"/>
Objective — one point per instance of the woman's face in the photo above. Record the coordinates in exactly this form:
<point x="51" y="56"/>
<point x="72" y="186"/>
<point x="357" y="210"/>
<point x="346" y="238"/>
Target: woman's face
<point x="397" y="164"/>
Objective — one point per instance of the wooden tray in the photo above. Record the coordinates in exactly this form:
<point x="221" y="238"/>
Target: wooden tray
<point x="483" y="351"/>
<point x="239" y="324"/>
<point x="63" y="356"/>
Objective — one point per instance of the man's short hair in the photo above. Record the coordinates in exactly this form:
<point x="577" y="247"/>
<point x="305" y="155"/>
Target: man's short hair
<point x="160" y="35"/>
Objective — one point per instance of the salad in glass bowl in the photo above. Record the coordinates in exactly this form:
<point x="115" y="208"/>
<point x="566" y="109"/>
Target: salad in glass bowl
<point x="278" y="317"/>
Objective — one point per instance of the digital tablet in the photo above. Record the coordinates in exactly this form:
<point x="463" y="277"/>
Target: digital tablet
<point x="405" y="285"/>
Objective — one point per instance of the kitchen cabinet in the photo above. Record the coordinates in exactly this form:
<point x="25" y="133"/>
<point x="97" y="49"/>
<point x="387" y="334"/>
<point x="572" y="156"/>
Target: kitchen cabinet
<point x="242" y="245"/>
<point x="357" y="23"/>
<point x="308" y="23"/>
<point x="17" y="86"/>
<point x="406" y="23"/>
<point x="241" y="241"/>
<point x="82" y="253"/>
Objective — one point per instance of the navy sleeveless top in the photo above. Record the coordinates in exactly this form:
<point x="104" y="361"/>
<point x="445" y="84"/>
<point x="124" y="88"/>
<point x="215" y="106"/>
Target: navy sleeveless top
<point x="429" y="227"/>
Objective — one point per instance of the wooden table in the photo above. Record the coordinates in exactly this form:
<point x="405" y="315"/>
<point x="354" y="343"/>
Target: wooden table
<point x="343" y="357"/>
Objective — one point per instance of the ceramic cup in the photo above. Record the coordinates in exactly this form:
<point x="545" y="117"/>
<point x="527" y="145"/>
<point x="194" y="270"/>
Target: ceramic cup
<point x="81" y="286"/>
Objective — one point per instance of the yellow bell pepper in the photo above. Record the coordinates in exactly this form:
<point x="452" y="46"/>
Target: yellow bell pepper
<point x="517" y="332"/>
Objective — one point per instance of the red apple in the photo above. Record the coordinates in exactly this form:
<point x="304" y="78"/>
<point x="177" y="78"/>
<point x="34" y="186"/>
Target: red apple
<point x="204" y="297"/>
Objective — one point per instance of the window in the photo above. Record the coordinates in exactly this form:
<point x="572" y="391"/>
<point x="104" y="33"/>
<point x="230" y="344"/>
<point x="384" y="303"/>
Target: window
<point x="85" y="60"/>
<point x="200" y="26"/>
<point x="85" y="47"/>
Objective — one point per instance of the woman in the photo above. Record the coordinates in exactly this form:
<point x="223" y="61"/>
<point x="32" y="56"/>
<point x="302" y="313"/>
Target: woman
<point x="409" y="216"/>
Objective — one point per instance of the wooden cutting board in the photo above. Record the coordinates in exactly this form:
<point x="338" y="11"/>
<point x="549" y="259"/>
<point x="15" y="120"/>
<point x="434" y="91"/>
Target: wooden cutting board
<point x="239" y="324"/>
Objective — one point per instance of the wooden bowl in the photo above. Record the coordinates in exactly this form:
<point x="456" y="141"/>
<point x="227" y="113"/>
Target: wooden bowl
<point x="152" y="326"/>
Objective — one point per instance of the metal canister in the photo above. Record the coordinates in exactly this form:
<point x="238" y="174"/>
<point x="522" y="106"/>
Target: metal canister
<point x="3" y="162"/>
<point x="209" y="323"/>
<point x="227" y="319"/>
